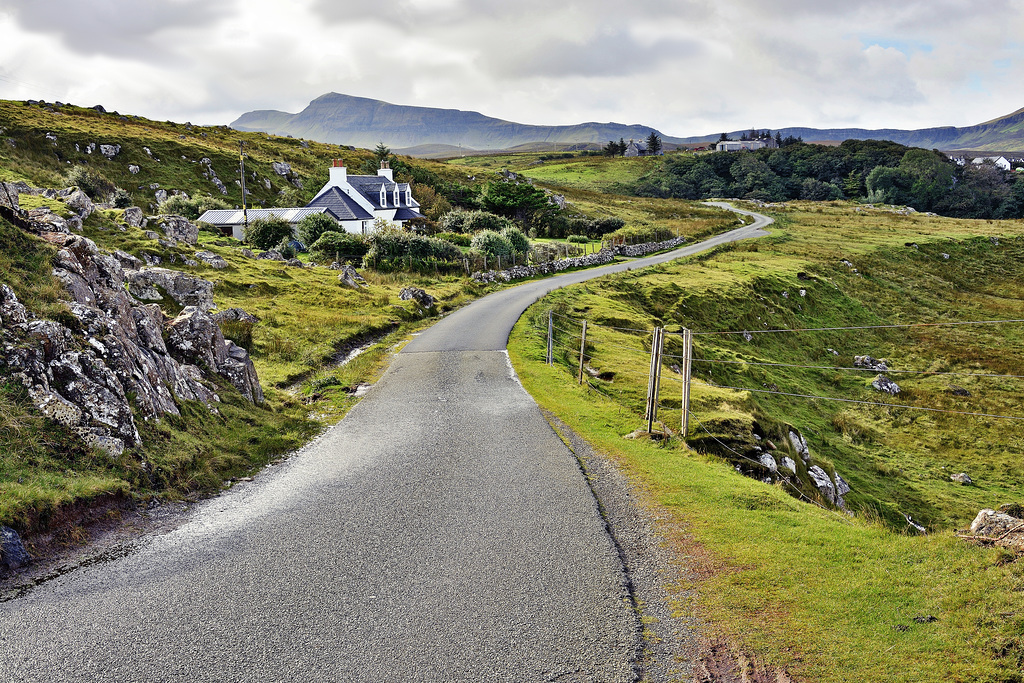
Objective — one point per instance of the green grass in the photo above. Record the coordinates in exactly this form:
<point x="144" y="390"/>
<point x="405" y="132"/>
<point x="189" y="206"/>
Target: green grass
<point x="824" y="595"/>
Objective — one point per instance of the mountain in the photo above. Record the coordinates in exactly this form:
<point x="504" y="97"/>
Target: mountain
<point x="1004" y="134"/>
<point x="430" y="132"/>
<point x="362" y="122"/>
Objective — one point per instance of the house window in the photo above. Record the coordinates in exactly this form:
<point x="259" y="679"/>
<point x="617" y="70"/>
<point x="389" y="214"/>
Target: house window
<point x="383" y="197"/>
<point x="408" y="197"/>
<point x="396" y="195"/>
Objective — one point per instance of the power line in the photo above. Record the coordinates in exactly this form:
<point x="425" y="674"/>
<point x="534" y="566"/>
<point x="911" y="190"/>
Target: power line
<point x="860" y="327"/>
<point x="829" y="367"/>
<point x="869" y="403"/>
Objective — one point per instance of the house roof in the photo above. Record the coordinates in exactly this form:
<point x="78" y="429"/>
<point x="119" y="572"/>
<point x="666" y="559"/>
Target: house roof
<point x="341" y="205"/>
<point x="407" y="214"/>
<point x="236" y="217"/>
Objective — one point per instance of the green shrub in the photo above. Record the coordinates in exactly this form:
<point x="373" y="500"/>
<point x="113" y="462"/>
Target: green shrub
<point x="333" y="245"/>
<point x="520" y="244"/>
<point x="120" y="199"/>
<point x="314" y="225"/>
<point x="491" y="243"/>
<point x="89" y="182"/>
<point x="390" y="247"/>
<point x="266" y="233"/>
<point x="577" y="239"/>
<point x="192" y="209"/>
<point x="455" y="238"/>
<point x="463" y="221"/>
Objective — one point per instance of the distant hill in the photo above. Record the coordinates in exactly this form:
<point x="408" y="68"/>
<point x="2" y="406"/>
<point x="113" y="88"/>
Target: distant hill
<point x="430" y="132"/>
<point x="362" y="122"/>
<point x="1005" y="135"/>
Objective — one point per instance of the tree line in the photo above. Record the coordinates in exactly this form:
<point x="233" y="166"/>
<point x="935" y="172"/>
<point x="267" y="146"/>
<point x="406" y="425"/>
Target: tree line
<point x="867" y="170"/>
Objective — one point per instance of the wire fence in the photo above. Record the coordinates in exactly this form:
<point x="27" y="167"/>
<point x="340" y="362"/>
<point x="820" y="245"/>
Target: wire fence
<point x="611" y="360"/>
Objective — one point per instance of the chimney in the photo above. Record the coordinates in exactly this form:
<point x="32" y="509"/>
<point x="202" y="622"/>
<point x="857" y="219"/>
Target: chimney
<point x="385" y="170"/>
<point x="339" y="175"/>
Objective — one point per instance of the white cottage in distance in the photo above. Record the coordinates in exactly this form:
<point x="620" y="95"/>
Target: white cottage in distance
<point x="358" y="200"/>
<point x="354" y="201"/>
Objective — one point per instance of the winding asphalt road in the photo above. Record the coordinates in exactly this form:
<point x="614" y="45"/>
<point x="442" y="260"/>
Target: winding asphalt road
<point x="441" y="532"/>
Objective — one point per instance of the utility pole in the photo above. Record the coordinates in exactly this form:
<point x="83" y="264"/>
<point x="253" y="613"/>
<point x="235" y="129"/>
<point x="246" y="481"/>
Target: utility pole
<point x="241" y="162"/>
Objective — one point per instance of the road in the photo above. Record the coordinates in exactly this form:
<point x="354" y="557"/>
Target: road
<point x="441" y="532"/>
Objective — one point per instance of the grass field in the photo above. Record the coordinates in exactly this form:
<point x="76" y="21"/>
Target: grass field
<point x="822" y="594"/>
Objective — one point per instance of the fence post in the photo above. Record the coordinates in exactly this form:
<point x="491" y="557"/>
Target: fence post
<point x="551" y="339"/>
<point x="583" y="346"/>
<point x="687" y="356"/>
<point x="655" y="379"/>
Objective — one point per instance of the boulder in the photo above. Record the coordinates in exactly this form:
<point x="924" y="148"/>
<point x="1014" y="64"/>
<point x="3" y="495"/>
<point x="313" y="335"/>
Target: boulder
<point x="12" y="551"/>
<point x="233" y="314"/>
<point x="134" y="217"/>
<point x="194" y="337"/>
<point x="962" y="478"/>
<point x="282" y="169"/>
<point x="178" y="228"/>
<point x="769" y="463"/>
<point x="133" y="169"/>
<point x="349" y="277"/>
<point x="418" y="295"/>
<point x="799" y="444"/>
<point x="80" y="203"/>
<point x="789" y="464"/>
<point x="870" y="363"/>
<point x="884" y="384"/>
<point x="211" y="259"/>
<point x="999" y="527"/>
<point x="110" y="151"/>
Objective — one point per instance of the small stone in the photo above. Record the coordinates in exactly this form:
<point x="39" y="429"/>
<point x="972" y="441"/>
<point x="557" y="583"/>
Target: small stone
<point x="962" y="478"/>
<point x="12" y="551"/>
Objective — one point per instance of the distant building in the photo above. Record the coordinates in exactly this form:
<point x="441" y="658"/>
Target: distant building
<point x="234" y="219"/>
<point x="737" y="145"/>
<point x="359" y="200"/>
<point x="1001" y="162"/>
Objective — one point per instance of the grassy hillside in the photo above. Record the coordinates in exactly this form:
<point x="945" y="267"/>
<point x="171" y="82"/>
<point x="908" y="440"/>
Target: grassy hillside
<point x="824" y="595"/>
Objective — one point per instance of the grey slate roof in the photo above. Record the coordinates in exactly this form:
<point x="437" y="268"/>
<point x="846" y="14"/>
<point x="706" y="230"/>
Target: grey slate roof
<point x="341" y="205"/>
<point x="235" y="217"/>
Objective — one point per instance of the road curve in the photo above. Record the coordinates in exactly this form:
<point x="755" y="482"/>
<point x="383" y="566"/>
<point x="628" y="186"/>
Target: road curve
<point x="441" y="532"/>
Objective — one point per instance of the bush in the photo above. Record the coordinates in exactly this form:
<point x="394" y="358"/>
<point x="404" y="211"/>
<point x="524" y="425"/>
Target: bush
<point x="180" y="205"/>
<point x="463" y="221"/>
<point x="520" y="244"/>
<point x="577" y="239"/>
<point x="120" y="199"/>
<point x="333" y="245"/>
<point x="390" y="247"/>
<point x="93" y="184"/>
<point x="455" y="238"/>
<point x="266" y="233"/>
<point x="491" y="243"/>
<point x="314" y="225"/>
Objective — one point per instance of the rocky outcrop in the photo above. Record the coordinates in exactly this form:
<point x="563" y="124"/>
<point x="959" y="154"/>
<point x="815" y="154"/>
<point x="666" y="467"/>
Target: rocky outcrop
<point x="178" y="228"/>
<point x="870" y="363"/>
<point x="212" y="260"/>
<point x="1003" y="527"/>
<point x="418" y="295"/>
<point x="158" y="284"/>
<point x="348" y="276"/>
<point x="89" y="376"/>
<point x="886" y="385"/>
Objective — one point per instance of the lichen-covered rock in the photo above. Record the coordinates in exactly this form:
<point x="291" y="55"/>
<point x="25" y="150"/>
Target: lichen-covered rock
<point x="9" y="196"/>
<point x="1002" y="528"/>
<point x="134" y="217"/>
<point x="178" y="228"/>
<point x="962" y="478"/>
<point x="233" y="314"/>
<point x="110" y="151"/>
<point x="80" y="203"/>
<point x="418" y="295"/>
<point x="211" y="259"/>
<point x="886" y="385"/>
<point x="281" y="168"/>
<point x="349" y="277"/>
<point x="186" y="290"/>
<point x="799" y="444"/>
<point x="194" y="337"/>
<point x="769" y="462"/>
<point x="870" y="363"/>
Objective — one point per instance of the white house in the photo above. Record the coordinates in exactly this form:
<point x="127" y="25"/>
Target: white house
<point x="358" y="200"/>
<point x="737" y="145"/>
<point x="1001" y="162"/>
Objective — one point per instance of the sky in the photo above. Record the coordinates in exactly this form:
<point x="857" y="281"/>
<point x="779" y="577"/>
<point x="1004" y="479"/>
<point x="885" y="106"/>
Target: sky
<point x="684" y="67"/>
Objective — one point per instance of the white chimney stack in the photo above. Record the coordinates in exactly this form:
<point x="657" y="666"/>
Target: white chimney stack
<point x="385" y="170"/>
<point x="339" y="174"/>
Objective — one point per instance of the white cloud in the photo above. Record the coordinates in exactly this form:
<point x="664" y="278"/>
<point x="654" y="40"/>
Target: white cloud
<point x="685" y="67"/>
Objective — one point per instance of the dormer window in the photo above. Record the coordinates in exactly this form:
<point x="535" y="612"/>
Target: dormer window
<point x="396" y="195"/>
<point x="408" y="197"/>
<point x="383" y="196"/>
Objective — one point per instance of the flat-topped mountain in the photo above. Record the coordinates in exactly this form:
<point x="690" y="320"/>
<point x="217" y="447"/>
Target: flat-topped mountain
<point x="363" y="122"/>
<point x="427" y="131"/>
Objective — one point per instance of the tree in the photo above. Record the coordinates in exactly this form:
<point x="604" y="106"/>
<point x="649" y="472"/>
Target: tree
<point x="382" y="152"/>
<point x="653" y="144"/>
<point x="622" y="147"/>
<point x="266" y="233"/>
<point x="521" y="201"/>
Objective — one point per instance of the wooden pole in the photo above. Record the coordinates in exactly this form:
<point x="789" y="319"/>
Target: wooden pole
<point x="583" y="346"/>
<point x="687" y="356"/>
<point x="551" y="339"/>
<point x="655" y="379"/>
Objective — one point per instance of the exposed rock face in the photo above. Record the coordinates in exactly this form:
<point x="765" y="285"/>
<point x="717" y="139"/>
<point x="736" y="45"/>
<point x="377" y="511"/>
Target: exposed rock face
<point x="870" y="363"/>
<point x="12" y="552"/>
<point x="134" y="217"/>
<point x="799" y="444"/>
<point x="110" y="151"/>
<point x="833" y="492"/>
<point x="79" y="202"/>
<point x="211" y="259"/>
<point x="235" y="314"/>
<point x="183" y="289"/>
<point x="178" y="228"/>
<point x="281" y="168"/>
<point x="9" y="196"/>
<point x="350" y="277"/>
<point x="83" y="378"/>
